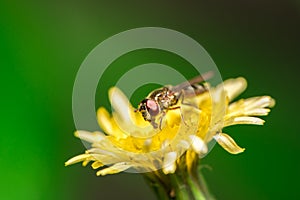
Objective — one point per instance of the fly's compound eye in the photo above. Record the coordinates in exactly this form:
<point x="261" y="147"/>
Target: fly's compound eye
<point x="152" y="107"/>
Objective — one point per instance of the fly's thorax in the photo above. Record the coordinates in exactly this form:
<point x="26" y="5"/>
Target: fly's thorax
<point x="164" y="97"/>
<point x="159" y="93"/>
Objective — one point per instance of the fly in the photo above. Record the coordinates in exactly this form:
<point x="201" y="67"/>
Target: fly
<point x="160" y="101"/>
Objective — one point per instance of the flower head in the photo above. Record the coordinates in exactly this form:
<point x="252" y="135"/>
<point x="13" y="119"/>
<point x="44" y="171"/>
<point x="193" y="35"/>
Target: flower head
<point x="129" y="141"/>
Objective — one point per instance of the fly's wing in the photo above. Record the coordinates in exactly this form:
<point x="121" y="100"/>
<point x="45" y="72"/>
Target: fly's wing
<point x="194" y="90"/>
<point x="193" y="82"/>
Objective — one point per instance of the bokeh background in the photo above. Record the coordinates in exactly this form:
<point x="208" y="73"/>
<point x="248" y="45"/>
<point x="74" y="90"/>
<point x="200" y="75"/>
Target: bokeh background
<point x="43" y="43"/>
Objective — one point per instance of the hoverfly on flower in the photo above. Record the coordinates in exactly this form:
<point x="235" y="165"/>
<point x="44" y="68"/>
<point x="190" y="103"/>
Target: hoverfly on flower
<point x="155" y="106"/>
<point x="169" y="158"/>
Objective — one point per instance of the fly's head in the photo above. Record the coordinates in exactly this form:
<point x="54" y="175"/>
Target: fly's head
<point x="149" y="109"/>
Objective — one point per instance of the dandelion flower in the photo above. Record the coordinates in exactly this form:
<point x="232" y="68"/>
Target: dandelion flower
<point x="169" y="157"/>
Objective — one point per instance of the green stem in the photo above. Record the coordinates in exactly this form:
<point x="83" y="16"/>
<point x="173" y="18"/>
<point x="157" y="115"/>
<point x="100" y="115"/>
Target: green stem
<point x="205" y="189"/>
<point x="184" y="184"/>
<point x="182" y="191"/>
<point x="157" y="186"/>
<point x="195" y="189"/>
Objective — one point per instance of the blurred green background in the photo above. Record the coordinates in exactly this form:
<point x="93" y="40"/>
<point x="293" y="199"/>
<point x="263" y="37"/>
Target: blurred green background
<point x="43" y="44"/>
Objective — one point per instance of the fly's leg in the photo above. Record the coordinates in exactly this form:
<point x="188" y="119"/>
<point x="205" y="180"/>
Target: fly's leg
<point x="154" y="124"/>
<point x="181" y="96"/>
<point x="175" y="108"/>
<point x="161" y="118"/>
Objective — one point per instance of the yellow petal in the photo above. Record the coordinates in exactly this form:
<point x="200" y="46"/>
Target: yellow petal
<point x="97" y="164"/>
<point x="173" y="117"/>
<point x="260" y="102"/>
<point x="244" y="120"/>
<point x="108" y="124"/>
<point x="77" y="159"/>
<point x="125" y="118"/>
<point x="116" y="168"/>
<point x="90" y="137"/>
<point x="228" y="143"/>
<point x="104" y="120"/>
<point x="121" y="105"/>
<point x="239" y="112"/>
<point x="106" y="159"/>
<point x="234" y="87"/>
<point x="86" y="162"/>
<point x="257" y="112"/>
<point x="190" y="156"/>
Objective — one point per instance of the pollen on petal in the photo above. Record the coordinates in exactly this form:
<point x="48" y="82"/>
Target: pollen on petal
<point x="169" y="163"/>
<point x="147" y="145"/>
<point x="228" y="143"/>
<point x="198" y="144"/>
<point x="183" y="144"/>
